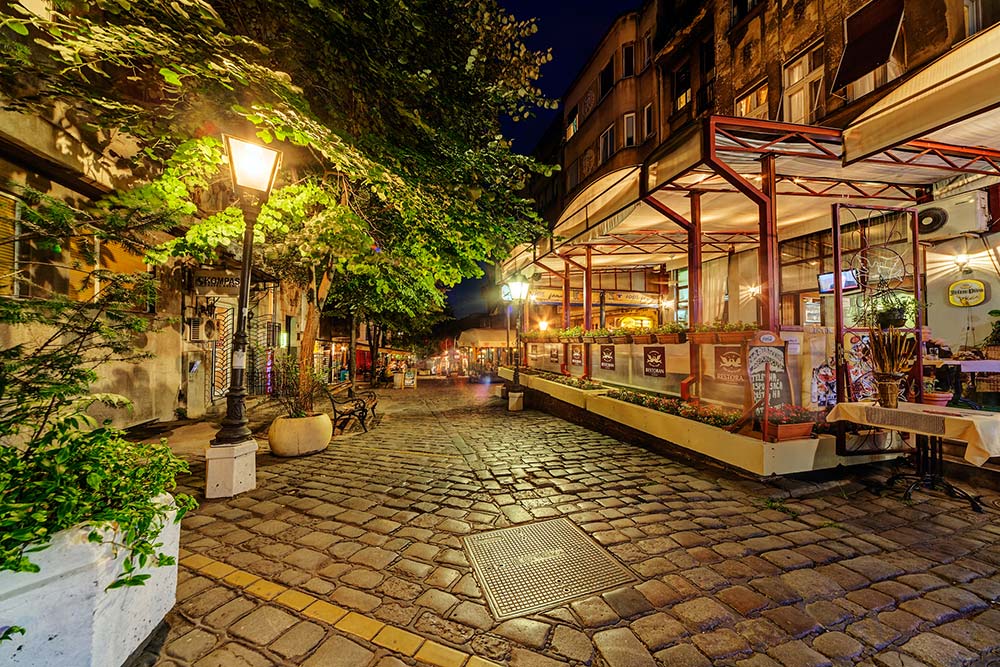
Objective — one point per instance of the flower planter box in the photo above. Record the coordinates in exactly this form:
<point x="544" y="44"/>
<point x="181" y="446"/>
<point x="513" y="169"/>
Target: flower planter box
<point x="571" y="339"/>
<point x="602" y="339"/>
<point x="782" y="432"/>
<point x="671" y="338"/>
<point x="565" y="393"/>
<point x="730" y="337"/>
<point x="642" y="339"/>
<point x="703" y="337"/>
<point x="740" y="451"/>
<point x="68" y="616"/>
<point x="621" y="340"/>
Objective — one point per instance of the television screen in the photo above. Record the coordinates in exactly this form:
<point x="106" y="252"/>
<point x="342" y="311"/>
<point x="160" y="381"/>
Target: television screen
<point x="848" y="281"/>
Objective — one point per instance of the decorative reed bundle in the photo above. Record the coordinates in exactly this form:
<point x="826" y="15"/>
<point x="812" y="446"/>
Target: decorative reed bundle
<point x="893" y="351"/>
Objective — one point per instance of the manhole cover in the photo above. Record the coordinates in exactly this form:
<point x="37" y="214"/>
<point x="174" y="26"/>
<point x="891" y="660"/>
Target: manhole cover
<point x="537" y="566"/>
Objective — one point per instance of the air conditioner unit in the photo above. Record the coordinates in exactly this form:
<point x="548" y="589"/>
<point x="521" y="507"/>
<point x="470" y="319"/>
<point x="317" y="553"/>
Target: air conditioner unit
<point x="953" y="216"/>
<point x="202" y="330"/>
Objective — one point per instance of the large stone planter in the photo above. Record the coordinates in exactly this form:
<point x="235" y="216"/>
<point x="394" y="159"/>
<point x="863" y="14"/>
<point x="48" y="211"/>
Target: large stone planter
<point x="571" y="395"/>
<point x="68" y="616"/>
<point x="298" y="436"/>
<point x="740" y="451"/>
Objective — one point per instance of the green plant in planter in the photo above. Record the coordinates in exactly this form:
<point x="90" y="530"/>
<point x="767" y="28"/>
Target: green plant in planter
<point x="599" y="333"/>
<point x="670" y="328"/>
<point x="571" y="332"/>
<point x="740" y="326"/>
<point x="295" y="393"/>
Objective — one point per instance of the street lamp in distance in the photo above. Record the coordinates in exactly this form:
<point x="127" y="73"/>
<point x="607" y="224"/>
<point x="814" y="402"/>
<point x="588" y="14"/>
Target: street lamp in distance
<point x="231" y="458"/>
<point x="515" y="291"/>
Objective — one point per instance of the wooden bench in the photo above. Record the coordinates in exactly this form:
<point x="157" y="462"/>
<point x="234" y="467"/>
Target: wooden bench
<point x="346" y="408"/>
<point x="371" y="400"/>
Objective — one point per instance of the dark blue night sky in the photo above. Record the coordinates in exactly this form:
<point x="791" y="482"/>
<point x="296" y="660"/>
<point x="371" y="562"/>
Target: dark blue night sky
<point x="572" y="28"/>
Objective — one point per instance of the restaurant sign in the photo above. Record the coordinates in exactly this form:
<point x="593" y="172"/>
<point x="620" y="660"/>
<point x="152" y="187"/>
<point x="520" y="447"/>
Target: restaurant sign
<point x="554" y="355"/>
<point x="729" y="368"/>
<point x="608" y="357"/>
<point x="654" y="362"/>
<point x="576" y="355"/>
<point x="967" y="292"/>
<point x="209" y="282"/>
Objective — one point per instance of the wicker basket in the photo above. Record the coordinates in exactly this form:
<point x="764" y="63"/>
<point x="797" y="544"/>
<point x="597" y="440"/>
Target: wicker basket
<point x="988" y="382"/>
<point x="992" y="351"/>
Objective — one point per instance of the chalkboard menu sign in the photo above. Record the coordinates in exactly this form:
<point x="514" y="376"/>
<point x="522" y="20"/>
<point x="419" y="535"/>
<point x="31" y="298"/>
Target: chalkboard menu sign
<point x="410" y="378"/>
<point x="766" y="353"/>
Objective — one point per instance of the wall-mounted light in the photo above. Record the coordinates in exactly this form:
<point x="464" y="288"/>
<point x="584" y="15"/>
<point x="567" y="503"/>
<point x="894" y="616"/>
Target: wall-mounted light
<point x="962" y="263"/>
<point x="754" y="290"/>
<point x="543" y="326"/>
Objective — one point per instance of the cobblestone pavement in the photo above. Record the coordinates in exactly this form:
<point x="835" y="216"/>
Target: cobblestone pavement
<point x="353" y="557"/>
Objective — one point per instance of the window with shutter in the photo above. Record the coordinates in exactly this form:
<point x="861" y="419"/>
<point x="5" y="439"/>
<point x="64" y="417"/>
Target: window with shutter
<point x="8" y="246"/>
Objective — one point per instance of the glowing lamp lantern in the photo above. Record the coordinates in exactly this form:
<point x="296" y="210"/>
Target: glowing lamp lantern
<point x="543" y="326"/>
<point x="516" y="290"/>
<point x="253" y="167"/>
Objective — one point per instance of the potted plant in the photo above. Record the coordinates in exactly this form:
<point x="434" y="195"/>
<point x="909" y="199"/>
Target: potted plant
<point x="571" y="335"/>
<point x="893" y="353"/>
<point x="671" y="333"/>
<point x="301" y="430"/>
<point x="991" y="346"/>
<point x="891" y="310"/>
<point x="934" y="396"/>
<point x="601" y="335"/>
<point x="703" y="334"/>
<point x="621" y="336"/>
<point x="788" y="422"/>
<point x="642" y="335"/>
<point x="88" y="531"/>
<point x="736" y="332"/>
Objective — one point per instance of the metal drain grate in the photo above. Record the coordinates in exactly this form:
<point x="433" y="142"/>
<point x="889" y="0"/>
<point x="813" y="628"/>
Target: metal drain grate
<point x="524" y="569"/>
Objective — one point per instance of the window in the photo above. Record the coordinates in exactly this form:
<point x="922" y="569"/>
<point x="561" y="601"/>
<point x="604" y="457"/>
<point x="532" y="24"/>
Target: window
<point x="682" y="87"/>
<point x="803" y="99"/>
<point x="648" y="129"/>
<point x="742" y="8"/>
<point x="629" y="125"/>
<point x="607" y="81"/>
<point x="573" y="175"/>
<point x="573" y="123"/>
<point x="628" y="60"/>
<point x="607" y="143"/>
<point x="647" y="50"/>
<point x="877" y="78"/>
<point x="980" y="14"/>
<point x="706" y="54"/>
<point x="754" y="103"/>
<point x="8" y="246"/>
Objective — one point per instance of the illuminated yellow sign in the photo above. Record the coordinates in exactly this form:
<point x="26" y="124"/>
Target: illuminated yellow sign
<point x="966" y="293"/>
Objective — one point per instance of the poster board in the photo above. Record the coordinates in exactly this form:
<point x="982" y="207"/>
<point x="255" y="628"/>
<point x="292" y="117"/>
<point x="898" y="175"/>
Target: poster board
<point x="766" y="353"/>
<point x="410" y="378"/>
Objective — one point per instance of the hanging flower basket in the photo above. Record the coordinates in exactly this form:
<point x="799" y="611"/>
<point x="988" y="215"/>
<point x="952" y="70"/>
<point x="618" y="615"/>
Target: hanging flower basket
<point x="671" y="338"/>
<point x="780" y="432"/>
<point x="703" y="337"/>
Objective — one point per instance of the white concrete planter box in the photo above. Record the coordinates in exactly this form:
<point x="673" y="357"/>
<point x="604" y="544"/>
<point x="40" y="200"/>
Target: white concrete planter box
<point x="740" y="451"/>
<point x="69" y="617"/>
<point x="571" y="395"/>
<point x="506" y="373"/>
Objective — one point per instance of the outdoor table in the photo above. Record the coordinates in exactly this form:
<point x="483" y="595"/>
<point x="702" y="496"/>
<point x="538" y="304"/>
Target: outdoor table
<point x="931" y="424"/>
<point x="971" y="366"/>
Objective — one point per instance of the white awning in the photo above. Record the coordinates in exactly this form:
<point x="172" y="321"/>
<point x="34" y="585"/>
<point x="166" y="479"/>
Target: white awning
<point x="485" y="338"/>
<point x="960" y="84"/>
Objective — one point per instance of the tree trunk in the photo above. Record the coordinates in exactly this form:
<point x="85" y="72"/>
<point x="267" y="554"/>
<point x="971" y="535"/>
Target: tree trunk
<point x="310" y="331"/>
<point x="352" y="357"/>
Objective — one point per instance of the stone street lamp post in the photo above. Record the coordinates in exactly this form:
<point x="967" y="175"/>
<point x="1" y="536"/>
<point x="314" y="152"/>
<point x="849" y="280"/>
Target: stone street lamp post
<point x="231" y="458"/>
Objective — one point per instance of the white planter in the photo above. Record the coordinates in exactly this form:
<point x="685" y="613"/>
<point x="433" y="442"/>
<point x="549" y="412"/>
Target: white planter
<point x="298" y="436"/>
<point x="565" y="393"/>
<point x="741" y="451"/>
<point x="515" y="401"/>
<point x="68" y="616"/>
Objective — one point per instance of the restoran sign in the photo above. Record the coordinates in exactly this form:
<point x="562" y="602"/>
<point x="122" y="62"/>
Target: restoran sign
<point x="967" y="292"/>
<point x="216" y="283"/>
<point x="554" y="297"/>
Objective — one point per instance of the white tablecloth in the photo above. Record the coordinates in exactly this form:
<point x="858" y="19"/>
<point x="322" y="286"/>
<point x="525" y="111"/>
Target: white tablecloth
<point x="981" y="430"/>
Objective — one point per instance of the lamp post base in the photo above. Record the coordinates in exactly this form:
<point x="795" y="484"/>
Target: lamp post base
<point x="230" y="469"/>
